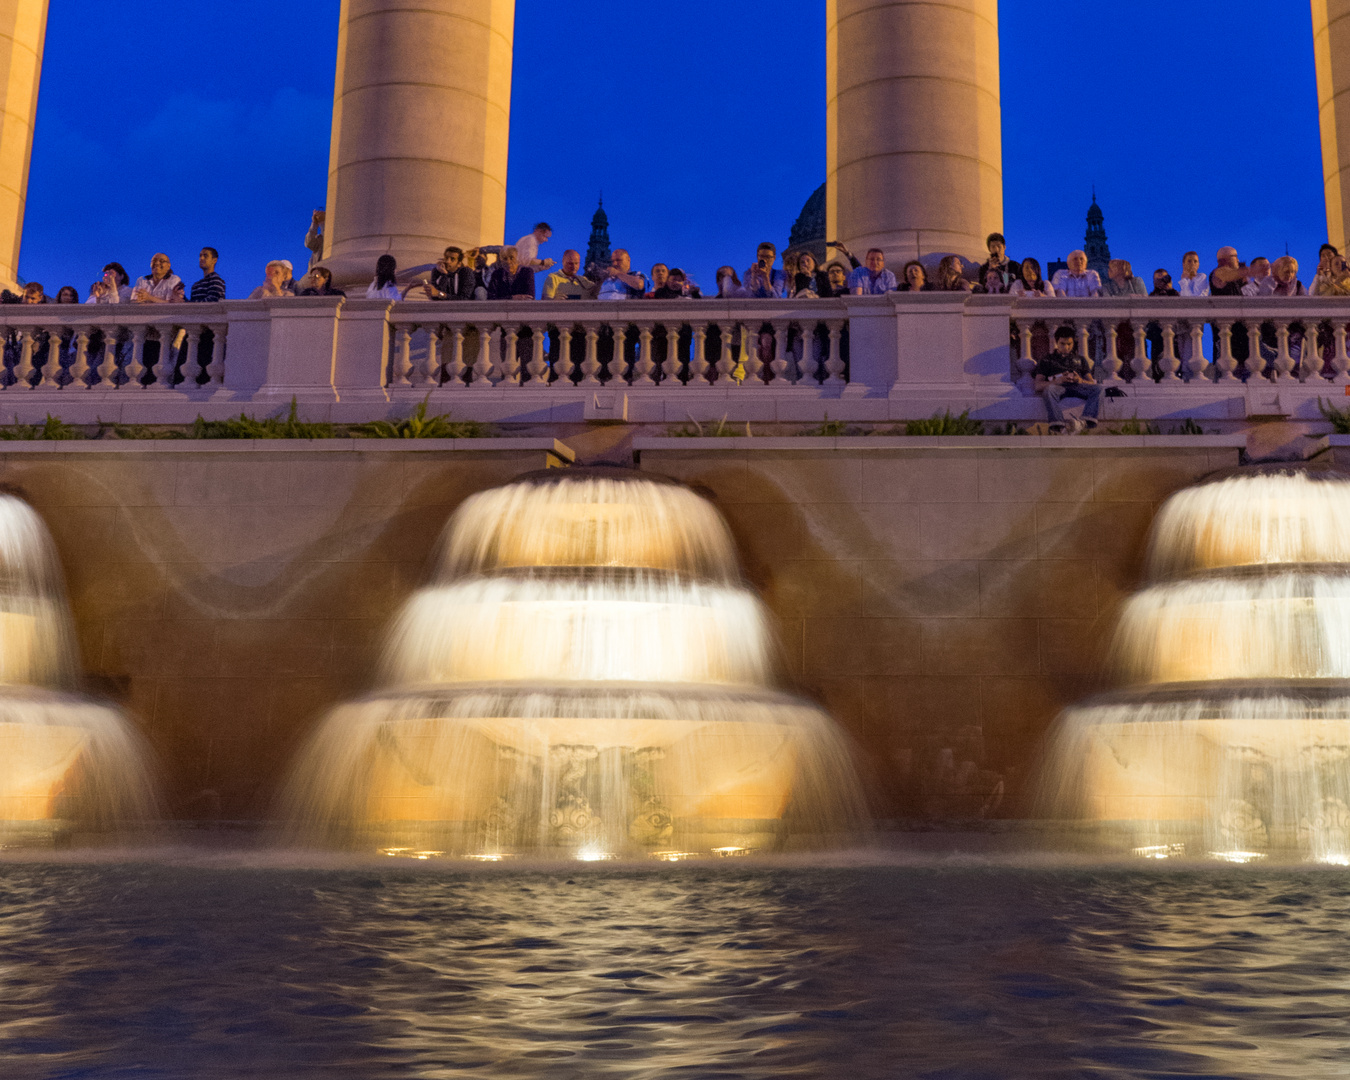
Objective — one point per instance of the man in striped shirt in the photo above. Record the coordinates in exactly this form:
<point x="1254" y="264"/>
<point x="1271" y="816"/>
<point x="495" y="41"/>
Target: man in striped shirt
<point x="211" y="287"/>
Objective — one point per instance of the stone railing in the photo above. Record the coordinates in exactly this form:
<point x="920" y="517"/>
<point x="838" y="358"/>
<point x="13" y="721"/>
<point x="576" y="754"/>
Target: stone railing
<point x="867" y="358"/>
<point x="1171" y="340"/>
<point x="122" y="348"/>
<point x="562" y="345"/>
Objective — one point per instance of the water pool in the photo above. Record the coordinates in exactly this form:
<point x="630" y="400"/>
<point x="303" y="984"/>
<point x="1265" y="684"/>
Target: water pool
<point x="209" y="967"/>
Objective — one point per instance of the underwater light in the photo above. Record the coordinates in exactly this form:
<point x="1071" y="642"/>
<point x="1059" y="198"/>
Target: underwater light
<point x="1334" y="860"/>
<point x="731" y="852"/>
<point x="594" y="854"/>
<point x="1238" y="856"/>
<point x="674" y="856"/>
<point x="1161" y="851"/>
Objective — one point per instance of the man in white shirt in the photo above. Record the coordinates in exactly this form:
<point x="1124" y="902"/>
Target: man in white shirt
<point x="527" y="247"/>
<point x="1077" y="280"/>
<point x="1192" y="282"/>
<point x="1260" y="283"/>
<point x="160" y="286"/>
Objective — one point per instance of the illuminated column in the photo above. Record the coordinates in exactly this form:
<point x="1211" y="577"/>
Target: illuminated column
<point x="915" y="150"/>
<point x="1331" y="46"/>
<point x="421" y="112"/>
<point x="23" y="25"/>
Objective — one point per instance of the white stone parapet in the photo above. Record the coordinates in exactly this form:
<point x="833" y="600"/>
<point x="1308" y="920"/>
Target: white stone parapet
<point x="859" y="358"/>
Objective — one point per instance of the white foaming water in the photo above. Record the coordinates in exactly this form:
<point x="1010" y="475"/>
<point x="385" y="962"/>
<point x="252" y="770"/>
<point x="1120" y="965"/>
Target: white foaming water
<point x="64" y="759"/>
<point x="1232" y="736"/>
<point x="587" y="677"/>
<point x="1257" y="520"/>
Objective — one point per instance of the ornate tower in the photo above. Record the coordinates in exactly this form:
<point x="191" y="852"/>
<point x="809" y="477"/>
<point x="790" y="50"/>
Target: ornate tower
<point x="1094" y="240"/>
<point x="23" y="26"/>
<point x="597" y="251"/>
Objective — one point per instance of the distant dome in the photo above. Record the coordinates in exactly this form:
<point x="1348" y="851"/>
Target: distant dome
<point x="808" y="234"/>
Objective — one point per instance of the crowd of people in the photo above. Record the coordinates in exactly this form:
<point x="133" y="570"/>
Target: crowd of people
<point x="512" y="272"/>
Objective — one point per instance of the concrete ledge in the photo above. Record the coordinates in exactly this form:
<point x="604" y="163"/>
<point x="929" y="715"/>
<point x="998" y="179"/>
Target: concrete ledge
<point x="948" y="442"/>
<point x="551" y="447"/>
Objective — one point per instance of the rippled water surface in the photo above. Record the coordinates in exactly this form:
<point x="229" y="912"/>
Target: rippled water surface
<point x="203" y="971"/>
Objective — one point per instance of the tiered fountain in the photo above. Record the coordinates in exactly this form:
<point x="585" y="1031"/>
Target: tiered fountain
<point x="586" y="677"/>
<point x="65" y="761"/>
<point x="1232" y="736"/>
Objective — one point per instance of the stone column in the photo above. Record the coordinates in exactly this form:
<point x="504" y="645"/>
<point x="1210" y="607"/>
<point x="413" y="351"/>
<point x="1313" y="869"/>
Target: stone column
<point x="23" y="25"/>
<point x="915" y="147"/>
<point x="1331" y="46"/>
<point x="421" y="112"/>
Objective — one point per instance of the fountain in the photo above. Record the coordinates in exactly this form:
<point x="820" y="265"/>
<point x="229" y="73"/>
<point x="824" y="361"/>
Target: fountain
<point x="66" y="761"/>
<point x="586" y="676"/>
<point x="1231" y="734"/>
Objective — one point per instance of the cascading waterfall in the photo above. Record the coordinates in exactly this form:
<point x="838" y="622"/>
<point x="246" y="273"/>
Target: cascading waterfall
<point x="586" y="676"/>
<point x="65" y="761"/>
<point x="1231" y="735"/>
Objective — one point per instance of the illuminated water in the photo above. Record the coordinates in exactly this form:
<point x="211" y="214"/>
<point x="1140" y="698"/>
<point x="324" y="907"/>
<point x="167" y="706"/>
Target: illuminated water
<point x="65" y="760"/>
<point x="745" y="971"/>
<point x="1231" y="733"/>
<point x="586" y="675"/>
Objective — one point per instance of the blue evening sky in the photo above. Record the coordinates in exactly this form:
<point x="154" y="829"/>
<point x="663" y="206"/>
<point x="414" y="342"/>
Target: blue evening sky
<point x="168" y="127"/>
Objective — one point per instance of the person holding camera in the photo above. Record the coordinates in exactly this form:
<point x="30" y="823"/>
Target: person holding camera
<point x="762" y="281"/>
<point x="1065" y="373"/>
<point x="620" y="283"/>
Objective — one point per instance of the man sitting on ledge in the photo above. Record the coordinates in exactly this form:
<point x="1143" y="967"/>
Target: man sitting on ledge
<point x="1065" y="373"/>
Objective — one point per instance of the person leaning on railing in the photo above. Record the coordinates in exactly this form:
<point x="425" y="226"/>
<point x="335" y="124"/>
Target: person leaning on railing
<point x="320" y="280"/>
<point x="1192" y="283"/>
<point x="677" y="287"/>
<point x="210" y="289"/>
<point x="567" y="283"/>
<point x="1077" y="281"/>
<point x="951" y="277"/>
<point x="1008" y="270"/>
<point x="1030" y="282"/>
<point x="510" y="280"/>
<point x="620" y="281"/>
<point x="451" y="279"/>
<point x="915" y="277"/>
<point x="276" y="281"/>
<point x="160" y="286"/>
<point x="872" y="278"/>
<point x="114" y="288"/>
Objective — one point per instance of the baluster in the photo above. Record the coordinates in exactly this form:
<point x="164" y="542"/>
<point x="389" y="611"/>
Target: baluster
<point x="215" y="370"/>
<point x="23" y="367"/>
<point x="752" y="366"/>
<point x="511" y="354"/>
<point x="1225" y="361"/>
<point x="1256" y="366"/>
<point x="1283" y="365"/>
<point x="417" y="369"/>
<point x="620" y="349"/>
<point x="454" y="363"/>
<point x="51" y="368"/>
<point x="79" y="367"/>
<point x="1083" y="347"/>
<point x="834" y="366"/>
<point x="563" y="366"/>
<point x="192" y="367"/>
<point x="167" y="365"/>
<point x="590" y="365"/>
<point x="779" y="365"/>
<point x="1198" y="364"/>
<point x="1170" y="363"/>
<point x="1025" y="363"/>
<point x="1140" y="362"/>
<point x="726" y="363"/>
<point x="698" y="358"/>
<point x="1110" y="365"/>
<point x="644" y="367"/>
<point x="107" y="370"/>
<point x="135" y="369"/>
<point x="402" y="364"/>
<point x="484" y="362"/>
<point x="1339" y="361"/>
<point x="808" y="364"/>
<point x="431" y="366"/>
<point x="538" y="365"/>
<point x="670" y="370"/>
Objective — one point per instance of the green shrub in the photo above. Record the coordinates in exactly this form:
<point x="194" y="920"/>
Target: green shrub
<point x="1189" y="427"/>
<point x="695" y="430"/>
<point x="270" y="427"/>
<point x="1338" y="418"/>
<point x="1135" y="426"/>
<point x="828" y="429"/>
<point x="421" y="426"/>
<point x="945" y="424"/>
<point x="51" y="428"/>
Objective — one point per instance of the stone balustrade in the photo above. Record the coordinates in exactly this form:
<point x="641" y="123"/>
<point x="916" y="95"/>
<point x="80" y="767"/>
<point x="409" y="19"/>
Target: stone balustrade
<point x="859" y="359"/>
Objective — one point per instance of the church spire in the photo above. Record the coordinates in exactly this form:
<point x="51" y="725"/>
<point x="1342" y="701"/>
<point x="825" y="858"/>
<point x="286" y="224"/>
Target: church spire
<point x="1094" y="240"/>
<point x="597" y="251"/>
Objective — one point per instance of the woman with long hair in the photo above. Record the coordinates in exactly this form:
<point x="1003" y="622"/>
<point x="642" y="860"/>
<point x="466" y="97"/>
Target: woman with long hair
<point x="385" y="285"/>
<point x="950" y="276"/>
<point x="728" y="283"/>
<point x="914" y="278"/>
<point x="1031" y="283"/>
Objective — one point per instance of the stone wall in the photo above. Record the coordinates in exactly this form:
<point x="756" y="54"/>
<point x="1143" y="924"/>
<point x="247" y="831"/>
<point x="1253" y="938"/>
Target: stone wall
<point x="944" y="598"/>
<point x="227" y="597"/>
<point x="944" y="604"/>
